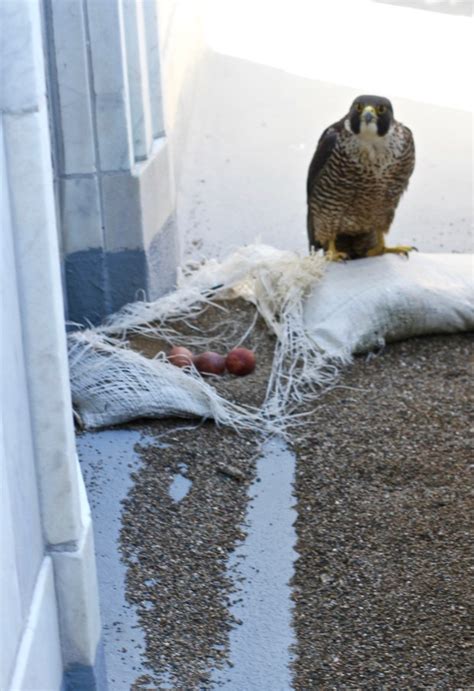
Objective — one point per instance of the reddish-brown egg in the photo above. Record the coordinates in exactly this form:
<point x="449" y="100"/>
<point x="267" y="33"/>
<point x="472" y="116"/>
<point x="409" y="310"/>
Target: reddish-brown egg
<point x="210" y="363"/>
<point x="180" y="356"/>
<point x="241" y="361"/>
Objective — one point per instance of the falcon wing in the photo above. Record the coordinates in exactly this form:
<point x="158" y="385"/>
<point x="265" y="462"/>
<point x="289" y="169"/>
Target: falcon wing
<point x="326" y="144"/>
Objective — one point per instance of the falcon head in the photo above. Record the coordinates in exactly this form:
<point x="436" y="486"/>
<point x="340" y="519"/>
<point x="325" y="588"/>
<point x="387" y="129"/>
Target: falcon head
<point x="370" y="116"/>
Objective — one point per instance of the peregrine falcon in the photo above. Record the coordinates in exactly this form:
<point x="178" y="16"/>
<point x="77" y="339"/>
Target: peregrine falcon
<point x="359" y="171"/>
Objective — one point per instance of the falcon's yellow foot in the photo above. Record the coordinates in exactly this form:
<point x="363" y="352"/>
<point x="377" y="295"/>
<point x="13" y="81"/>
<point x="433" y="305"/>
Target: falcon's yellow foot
<point x="334" y="255"/>
<point x="378" y="250"/>
<point x="400" y="249"/>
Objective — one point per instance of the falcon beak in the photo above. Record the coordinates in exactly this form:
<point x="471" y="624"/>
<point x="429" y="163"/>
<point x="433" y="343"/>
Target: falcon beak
<point x="368" y="114"/>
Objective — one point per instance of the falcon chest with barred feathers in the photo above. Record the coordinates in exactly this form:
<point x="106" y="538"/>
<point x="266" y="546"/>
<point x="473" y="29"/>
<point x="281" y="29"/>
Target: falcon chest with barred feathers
<point x="357" y="176"/>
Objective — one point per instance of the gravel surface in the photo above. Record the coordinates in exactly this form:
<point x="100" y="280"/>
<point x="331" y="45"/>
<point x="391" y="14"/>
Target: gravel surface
<point x="176" y="552"/>
<point x="382" y="582"/>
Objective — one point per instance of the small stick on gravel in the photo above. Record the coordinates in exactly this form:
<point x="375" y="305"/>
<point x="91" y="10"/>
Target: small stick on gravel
<point x="232" y="472"/>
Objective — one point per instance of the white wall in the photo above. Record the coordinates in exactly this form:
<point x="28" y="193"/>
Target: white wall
<point x="182" y="48"/>
<point x="47" y="559"/>
<point x="21" y="539"/>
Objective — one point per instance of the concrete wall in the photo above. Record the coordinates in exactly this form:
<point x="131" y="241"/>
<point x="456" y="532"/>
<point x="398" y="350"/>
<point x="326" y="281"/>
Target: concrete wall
<point x="25" y="581"/>
<point x="182" y="48"/>
<point x="50" y="618"/>
<point x="117" y="74"/>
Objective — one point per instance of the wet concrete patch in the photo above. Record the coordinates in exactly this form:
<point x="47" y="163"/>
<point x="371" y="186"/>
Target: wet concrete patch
<point x="261" y="568"/>
<point x="180" y="485"/>
<point x="108" y="460"/>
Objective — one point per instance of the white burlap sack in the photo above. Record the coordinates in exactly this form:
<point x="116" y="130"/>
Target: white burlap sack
<point x="321" y="314"/>
<point x="363" y="304"/>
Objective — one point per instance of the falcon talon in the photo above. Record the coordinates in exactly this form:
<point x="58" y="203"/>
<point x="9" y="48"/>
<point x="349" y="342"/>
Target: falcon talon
<point x="399" y="249"/>
<point x="336" y="257"/>
<point x="333" y="254"/>
<point x="358" y="173"/>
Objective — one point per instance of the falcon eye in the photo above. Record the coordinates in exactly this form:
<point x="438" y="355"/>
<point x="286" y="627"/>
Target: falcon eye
<point x="359" y="107"/>
<point x="381" y="109"/>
